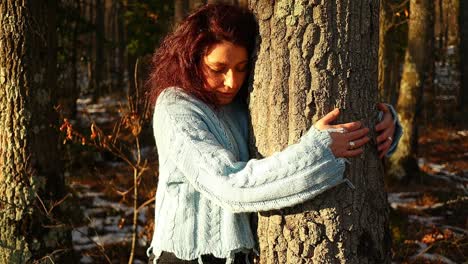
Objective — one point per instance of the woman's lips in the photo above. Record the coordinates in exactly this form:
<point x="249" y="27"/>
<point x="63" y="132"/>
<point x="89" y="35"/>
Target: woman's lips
<point x="227" y="95"/>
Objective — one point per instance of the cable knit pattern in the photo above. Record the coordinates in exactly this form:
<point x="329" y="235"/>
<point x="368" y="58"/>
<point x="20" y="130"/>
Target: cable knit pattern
<point x="207" y="183"/>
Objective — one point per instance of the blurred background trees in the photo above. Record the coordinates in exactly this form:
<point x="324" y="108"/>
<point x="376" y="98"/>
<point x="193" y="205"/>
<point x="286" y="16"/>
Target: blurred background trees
<point x="415" y="78"/>
<point x="101" y="49"/>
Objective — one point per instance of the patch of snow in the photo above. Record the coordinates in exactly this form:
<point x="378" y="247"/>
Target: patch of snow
<point x="99" y="202"/>
<point x="82" y="101"/>
<point x="86" y="259"/>
<point x="111" y="238"/>
<point x="426" y="220"/>
<point x="79" y="235"/>
<point x="90" y="194"/>
<point x="401" y="199"/>
<point x="112" y="220"/>
<point x="94" y="211"/>
<point x="432" y="257"/>
<point x="79" y="185"/>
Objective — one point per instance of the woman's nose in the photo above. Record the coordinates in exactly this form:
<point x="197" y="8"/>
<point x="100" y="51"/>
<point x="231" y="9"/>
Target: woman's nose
<point x="231" y="80"/>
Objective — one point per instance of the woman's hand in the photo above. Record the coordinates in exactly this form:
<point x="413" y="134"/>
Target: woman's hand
<point x="386" y="130"/>
<point x="349" y="138"/>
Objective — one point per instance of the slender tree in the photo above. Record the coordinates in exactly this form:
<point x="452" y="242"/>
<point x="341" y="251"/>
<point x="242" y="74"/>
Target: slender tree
<point x="391" y="53"/>
<point x="463" y="25"/>
<point x="31" y="180"/>
<point x="99" y="40"/>
<point x="416" y="73"/>
<point x="180" y="10"/>
<point x="314" y="56"/>
<point x="194" y="4"/>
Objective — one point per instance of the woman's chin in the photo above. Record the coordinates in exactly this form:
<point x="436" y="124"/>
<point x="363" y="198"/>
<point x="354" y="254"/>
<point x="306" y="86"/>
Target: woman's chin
<point x="225" y="100"/>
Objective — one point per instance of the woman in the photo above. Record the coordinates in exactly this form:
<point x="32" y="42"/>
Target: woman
<point x="207" y="183"/>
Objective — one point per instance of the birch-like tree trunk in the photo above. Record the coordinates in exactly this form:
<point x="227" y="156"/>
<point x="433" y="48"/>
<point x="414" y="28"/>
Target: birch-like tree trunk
<point x="31" y="179"/>
<point x="416" y="73"/>
<point x="314" y="56"/>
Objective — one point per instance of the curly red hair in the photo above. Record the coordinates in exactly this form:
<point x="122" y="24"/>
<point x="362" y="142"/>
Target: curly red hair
<point x="177" y="62"/>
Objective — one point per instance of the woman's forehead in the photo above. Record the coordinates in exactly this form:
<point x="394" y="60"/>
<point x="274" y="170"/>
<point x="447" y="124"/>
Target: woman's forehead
<point x="226" y="53"/>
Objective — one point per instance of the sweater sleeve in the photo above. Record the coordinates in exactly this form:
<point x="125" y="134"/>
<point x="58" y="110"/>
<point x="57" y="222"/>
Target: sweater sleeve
<point x="398" y="130"/>
<point x="298" y="173"/>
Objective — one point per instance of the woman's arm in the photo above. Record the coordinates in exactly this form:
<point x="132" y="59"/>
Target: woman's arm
<point x="298" y="173"/>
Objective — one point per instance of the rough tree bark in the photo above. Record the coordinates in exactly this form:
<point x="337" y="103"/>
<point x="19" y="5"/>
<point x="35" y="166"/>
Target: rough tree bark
<point x="463" y="24"/>
<point x="30" y="167"/>
<point x="314" y="56"/>
<point x="416" y="73"/>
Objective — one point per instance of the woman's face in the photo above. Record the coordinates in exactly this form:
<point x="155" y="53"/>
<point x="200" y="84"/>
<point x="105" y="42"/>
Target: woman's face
<point x="224" y="69"/>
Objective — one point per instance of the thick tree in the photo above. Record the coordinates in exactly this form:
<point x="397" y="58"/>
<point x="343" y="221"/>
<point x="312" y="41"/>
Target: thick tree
<point x="416" y="73"/>
<point x="314" y="56"/>
<point x="31" y="180"/>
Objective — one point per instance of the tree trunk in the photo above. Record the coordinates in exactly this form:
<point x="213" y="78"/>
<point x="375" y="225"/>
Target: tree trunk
<point x="99" y="62"/>
<point x="416" y="75"/>
<point x="314" y="56"/>
<point x="390" y="55"/>
<point x="30" y="169"/>
<point x="121" y="46"/>
<point x="463" y="24"/>
<point x="180" y="10"/>
<point x="232" y="2"/>
<point x="195" y="4"/>
<point x="244" y="3"/>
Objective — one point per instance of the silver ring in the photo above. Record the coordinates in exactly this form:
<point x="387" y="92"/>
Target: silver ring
<point x="390" y="138"/>
<point x="352" y="144"/>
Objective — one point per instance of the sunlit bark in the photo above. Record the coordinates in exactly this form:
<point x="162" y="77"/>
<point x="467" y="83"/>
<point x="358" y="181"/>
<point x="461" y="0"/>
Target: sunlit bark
<point x="31" y="179"/>
<point x="314" y="56"/>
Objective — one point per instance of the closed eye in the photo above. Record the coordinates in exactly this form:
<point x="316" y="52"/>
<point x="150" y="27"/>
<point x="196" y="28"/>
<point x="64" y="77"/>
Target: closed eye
<point x="216" y="71"/>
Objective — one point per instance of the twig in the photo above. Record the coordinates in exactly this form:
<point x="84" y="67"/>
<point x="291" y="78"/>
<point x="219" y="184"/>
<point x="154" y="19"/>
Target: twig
<point x="48" y="256"/>
<point x="146" y="203"/>
<point x="135" y="171"/>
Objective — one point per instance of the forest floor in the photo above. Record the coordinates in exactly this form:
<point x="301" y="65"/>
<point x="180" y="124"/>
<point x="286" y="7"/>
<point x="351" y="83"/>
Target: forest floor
<point x="428" y="213"/>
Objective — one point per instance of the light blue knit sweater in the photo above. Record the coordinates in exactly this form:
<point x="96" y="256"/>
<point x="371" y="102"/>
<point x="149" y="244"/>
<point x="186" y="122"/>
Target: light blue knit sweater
<point x="207" y="183"/>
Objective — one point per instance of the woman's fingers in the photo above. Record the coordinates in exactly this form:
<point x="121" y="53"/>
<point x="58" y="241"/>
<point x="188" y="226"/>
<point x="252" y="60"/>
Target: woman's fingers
<point x="384" y="146"/>
<point x="386" y="122"/>
<point x="353" y="152"/>
<point x="349" y="126"/>
<point x="359" y="133"/>
<point x="359" y="142"/>
<point x="383" y="107"/>
<point x="330" y="117"/>
<point x="385" y="135"/>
